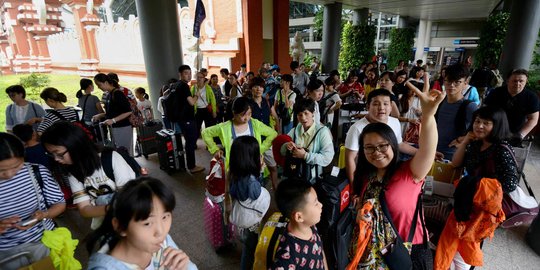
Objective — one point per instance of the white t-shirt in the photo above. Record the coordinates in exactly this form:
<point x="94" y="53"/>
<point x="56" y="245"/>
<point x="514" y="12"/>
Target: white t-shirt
<point x="353" y="136"/>
<point x="246" y="132"/>
<point x="99" y="184"/>
<point x="317" y="113"/>
<point x="20" y="112"/>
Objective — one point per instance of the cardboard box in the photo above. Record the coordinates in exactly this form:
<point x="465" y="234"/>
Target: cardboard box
<point x="445" y="172"/>
<point x="433" y="187"/>
<point x="43" y="264"/>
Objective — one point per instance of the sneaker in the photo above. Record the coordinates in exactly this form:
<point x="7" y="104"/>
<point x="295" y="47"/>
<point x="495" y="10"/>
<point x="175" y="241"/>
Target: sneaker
<point x="196" y="169"/>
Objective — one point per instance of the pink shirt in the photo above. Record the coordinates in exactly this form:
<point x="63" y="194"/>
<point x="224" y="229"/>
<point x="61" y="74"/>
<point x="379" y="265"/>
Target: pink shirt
<point x="401" y="197"/>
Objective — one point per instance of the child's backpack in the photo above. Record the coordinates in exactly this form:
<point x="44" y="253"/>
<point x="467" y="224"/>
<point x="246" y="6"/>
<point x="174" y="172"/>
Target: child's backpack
<point x="106" y="162"/>
<point x="136" y="118"/>
<point x="268" y="242"/>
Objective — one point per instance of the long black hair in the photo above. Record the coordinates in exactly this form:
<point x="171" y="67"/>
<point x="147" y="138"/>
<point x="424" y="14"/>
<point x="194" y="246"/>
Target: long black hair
<point x="134" y="201"/>
<point x="363" y="168"/>
<point x="244" y="158"/>
<point x="83" y="152"/>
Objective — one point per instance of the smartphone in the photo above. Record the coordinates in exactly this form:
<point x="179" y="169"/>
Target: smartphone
<point x="27" y="222"/>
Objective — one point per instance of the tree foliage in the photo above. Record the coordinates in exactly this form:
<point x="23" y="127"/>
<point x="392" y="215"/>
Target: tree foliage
<point x="357" y="45"/>
<point x="34" y="82"/>
<point x="401" y="45"/>
<point x="492" y="37"/>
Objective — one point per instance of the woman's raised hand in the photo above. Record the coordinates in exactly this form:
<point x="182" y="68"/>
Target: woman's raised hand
<point x="429" y="100"/>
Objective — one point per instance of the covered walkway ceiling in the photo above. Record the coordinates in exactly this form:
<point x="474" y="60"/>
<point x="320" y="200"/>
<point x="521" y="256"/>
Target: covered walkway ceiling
<point x="434" y="10"/>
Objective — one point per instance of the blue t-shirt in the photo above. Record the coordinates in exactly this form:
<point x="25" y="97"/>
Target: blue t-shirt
<point x="36" y="154"/>
<point x="446" y="126"/>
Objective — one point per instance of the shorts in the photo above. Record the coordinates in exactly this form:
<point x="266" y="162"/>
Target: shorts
<point x="268" y="157"/>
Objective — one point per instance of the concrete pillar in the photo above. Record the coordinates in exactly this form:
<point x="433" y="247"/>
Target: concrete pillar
<point x="311" y="34"/>
<point x="521" y="35"/>
<point x="281" y="35"/>
<point x="420" y="40"/>
<point x="158" y="22"/>
<point x="360" y="16"/>
<point x="331" y="36"/>
<point x="427" y="39"/>
<point x="253" y="33"/>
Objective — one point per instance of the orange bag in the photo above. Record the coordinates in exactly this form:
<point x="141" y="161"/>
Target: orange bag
<point x="363" y="220"/>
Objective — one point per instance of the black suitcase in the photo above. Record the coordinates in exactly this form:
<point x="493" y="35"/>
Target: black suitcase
<point x="334" y="193"/>
<point x="146" y="138"/>
<point x="342" y="236"/>
<point x="170" y="151"/>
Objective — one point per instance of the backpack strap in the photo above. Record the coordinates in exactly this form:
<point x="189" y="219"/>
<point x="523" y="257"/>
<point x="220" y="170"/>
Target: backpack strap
<point x="39" y="179"/>
<point x="59" y="115"/>
<point x="84" y="106"/>
<point x="34" y="108"/>
<point x="106" y="163"/>
<point x="460" y="121"/>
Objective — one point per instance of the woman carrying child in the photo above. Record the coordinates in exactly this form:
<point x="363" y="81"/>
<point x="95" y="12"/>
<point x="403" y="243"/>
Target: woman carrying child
<point x="251" y="199"/>
<point x="90" y="184"/>
<point x="135" y="232"/>
<point x="379" y="171"/>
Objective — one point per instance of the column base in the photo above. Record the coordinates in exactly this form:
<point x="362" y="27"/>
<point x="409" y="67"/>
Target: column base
<point x="88" y="67"/>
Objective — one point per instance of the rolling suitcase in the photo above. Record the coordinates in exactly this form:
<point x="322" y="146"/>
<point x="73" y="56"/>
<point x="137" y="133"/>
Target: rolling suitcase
<point x="146" y="137"/>
<point x="170" y="151"/>
<point x="219" y="232"/>
<point x="268" y="242"/>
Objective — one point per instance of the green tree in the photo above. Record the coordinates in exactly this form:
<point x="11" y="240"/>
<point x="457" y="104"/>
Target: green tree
<point x="34" y="82"/>
<point x="357" y="45"/>
<point x="401" y="45"/>
<point x="492" y="37"/>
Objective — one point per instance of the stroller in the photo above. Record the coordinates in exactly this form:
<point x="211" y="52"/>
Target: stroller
<point x="523" y="208"/>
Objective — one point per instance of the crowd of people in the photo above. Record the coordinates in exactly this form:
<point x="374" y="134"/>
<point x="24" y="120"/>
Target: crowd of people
<point x="261" y="124"/>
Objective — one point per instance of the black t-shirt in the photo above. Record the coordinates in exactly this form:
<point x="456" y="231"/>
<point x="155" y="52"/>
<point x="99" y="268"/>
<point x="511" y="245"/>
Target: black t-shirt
<point x="295" y="253"/>
<point x="227" y="88"/>
<point x="188" y="112"/>
<point x="117" y="104"/>
<point x="261" y="113"/>
<point x="517" y="107"/>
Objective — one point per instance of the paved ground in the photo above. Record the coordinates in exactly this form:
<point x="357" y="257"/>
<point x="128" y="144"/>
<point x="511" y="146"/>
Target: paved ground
<point x="507" y="250"/>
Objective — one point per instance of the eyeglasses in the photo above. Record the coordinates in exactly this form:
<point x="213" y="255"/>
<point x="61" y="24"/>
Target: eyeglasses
<point x="381" y="148"/>
<point x="454" y="83"/>
<point x="57" y="156"/>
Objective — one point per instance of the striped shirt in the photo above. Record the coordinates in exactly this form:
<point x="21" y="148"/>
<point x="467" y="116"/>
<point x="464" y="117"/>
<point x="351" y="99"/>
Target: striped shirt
<point x="19" y="199"/>
<point x="50" y="118"/>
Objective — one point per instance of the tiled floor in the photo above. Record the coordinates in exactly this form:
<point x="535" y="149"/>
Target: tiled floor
<point x="507" y="250"/>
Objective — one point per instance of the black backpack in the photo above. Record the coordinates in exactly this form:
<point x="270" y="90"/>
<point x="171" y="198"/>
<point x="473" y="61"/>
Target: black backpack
<point x="283" y="112"/>
<point x="106" y="161"/>
<point x="323" y="110"/>
<point x="171" y="103"/>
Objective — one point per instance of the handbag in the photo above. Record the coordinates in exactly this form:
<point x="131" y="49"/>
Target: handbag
<point x="412" y="134"/>
<point x="297" y="168"/>
<point x="395" y="254"/>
